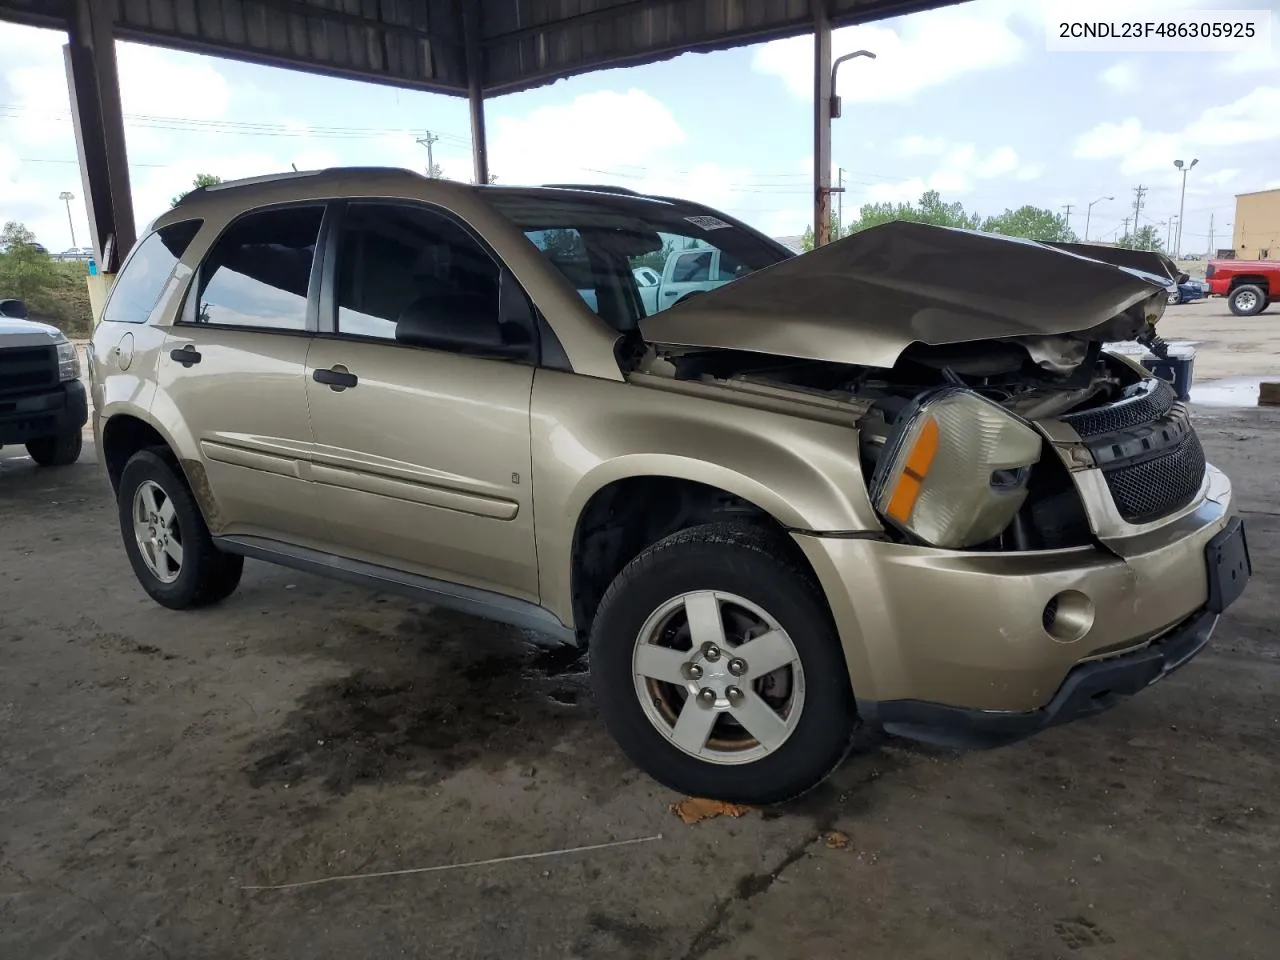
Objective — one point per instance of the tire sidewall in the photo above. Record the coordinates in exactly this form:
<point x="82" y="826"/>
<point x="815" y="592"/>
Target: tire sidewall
<point x="144" y="466"/>
<point x="1261" y="301"/>
<point x="823" y="734"/>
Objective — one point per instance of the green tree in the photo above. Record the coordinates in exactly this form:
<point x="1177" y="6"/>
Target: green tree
<point x="1031" y="223"/>
<point x="1146" y="238"/>
<point x="930" y="209"/>
<point x="26" y="271"/>
<point x="201" y="180"/>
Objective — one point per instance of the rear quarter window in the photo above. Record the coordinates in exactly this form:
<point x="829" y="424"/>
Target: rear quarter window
<point x="137" y="289"/>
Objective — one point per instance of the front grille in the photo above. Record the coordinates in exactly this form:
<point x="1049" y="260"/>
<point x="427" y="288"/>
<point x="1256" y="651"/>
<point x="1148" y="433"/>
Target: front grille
<point x="1153" y="488"/>
<point x="1153" y="400"/>
<point x="28" y="369"/>
<point x="1148" y="452"/>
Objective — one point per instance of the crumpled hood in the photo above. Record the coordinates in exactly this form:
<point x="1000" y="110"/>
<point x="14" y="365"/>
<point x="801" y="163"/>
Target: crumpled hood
<point x="864" y="299"/>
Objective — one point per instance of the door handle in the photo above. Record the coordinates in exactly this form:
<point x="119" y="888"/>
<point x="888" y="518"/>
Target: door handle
<point x="337" y="377"/>
<point x="186" y="356"/>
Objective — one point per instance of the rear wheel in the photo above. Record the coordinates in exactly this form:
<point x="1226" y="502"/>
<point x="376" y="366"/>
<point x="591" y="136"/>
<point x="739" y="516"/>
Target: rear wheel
<point x="1247" y="300"/>
<point x="717" y="668"/>
<point x="165" y="536"/>
<point x="57" y="451"/>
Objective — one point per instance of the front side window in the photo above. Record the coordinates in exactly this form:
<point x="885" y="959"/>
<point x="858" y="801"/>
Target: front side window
<point x="138" y="287"/>
<point x="258" y="272"/>
<point x="398" y="260"/>
<point x="692" y="268"/>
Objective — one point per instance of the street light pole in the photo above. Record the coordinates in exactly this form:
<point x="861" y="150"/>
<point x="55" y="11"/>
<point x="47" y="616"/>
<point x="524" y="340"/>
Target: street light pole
<point x="66" y="196"/>
<point x="1089" y="214"/>
<point x="826" y="107"/>
<point x="1183" y="202"/>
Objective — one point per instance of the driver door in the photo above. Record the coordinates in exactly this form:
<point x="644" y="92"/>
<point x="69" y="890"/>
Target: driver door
<point x="421" y="456"/>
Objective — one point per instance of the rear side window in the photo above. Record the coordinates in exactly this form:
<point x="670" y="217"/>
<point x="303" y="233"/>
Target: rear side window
<point x="258" y="272"/>
<point x="140" y="283"/>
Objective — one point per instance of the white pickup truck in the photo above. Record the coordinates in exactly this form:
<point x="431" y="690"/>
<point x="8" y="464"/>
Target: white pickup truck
<point x="685" y="272"/>
<point x="42" y="400"/>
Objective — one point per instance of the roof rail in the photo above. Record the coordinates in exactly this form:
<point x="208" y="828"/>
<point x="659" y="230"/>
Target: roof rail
<point x="286" y="175"/>
<point x="596" y="187"/>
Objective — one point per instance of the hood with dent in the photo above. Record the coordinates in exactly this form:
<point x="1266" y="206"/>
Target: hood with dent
<point x="864" y="299"/>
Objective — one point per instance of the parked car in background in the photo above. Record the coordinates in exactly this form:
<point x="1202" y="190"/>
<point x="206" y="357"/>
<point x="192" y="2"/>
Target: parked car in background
<point x="76" y="253"/>
<point x="1187" y="290"/>
<point x="1250" y="286"/>
<point x="42" y="401"/>
<point x="687" y="272"/>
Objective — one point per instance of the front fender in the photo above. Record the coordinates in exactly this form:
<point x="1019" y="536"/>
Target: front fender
<point x="587" y="433"/>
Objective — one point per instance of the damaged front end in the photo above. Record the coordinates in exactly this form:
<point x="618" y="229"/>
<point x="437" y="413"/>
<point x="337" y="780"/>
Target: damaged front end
<point x="1035" y="438"/>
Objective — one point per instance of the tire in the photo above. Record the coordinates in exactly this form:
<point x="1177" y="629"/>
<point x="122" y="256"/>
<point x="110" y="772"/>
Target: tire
<point x="753" y="566"/>
<point x="203" y="574"/>
<point x="1247" y="300"/>
<point x="60" y="450"/>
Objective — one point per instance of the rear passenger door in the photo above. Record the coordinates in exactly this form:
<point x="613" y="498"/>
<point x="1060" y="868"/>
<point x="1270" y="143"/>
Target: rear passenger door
<point x="421" y="455"/>
<point x="232" y="373"/>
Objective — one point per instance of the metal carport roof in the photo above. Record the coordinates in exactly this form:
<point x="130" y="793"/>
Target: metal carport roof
<point x="422" y="43"/>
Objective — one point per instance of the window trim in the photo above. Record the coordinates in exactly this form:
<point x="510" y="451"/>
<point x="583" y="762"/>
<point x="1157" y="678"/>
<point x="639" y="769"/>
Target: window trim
<point x="328" y="329"/>
<point x="186" y="314"/>
<point x="146" y="321"/>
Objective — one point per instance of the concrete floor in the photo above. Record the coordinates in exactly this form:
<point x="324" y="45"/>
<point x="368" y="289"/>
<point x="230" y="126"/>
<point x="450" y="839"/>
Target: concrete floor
<point x="154" y="763"/>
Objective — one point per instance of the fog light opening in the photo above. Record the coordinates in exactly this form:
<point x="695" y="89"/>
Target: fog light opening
<point x="1068" y="616"/>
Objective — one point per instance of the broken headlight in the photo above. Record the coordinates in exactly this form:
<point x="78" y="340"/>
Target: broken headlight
<point x="954" y="471"/>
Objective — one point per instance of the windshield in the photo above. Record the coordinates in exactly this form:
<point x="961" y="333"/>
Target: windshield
<point x="630" y="257"/>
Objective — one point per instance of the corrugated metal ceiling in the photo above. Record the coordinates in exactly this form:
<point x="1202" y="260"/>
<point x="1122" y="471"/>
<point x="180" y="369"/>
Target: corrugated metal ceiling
<point x="419" y="43"/>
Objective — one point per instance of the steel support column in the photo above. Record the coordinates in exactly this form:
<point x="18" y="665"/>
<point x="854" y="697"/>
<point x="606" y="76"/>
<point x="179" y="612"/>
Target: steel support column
<point x="475" y="92"/>
<point x="96" y="113"/>
<point x="821" y="124"/>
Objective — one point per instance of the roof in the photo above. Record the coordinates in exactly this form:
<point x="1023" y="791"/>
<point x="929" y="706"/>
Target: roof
<point x="1255" y="193"/>
<point x="420" y="43"/>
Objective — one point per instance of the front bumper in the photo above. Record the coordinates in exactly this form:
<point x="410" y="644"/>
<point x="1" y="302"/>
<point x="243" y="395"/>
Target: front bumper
<point x="947" y="641"/>
<point x="45" y="414"/>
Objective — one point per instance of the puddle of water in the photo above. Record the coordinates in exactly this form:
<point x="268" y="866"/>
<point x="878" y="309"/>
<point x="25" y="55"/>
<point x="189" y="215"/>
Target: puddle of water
<point x="1227" y="392"/>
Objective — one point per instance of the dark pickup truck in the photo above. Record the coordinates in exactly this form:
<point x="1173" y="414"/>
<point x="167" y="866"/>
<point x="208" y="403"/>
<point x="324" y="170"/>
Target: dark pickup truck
<point x="42" y="401"/>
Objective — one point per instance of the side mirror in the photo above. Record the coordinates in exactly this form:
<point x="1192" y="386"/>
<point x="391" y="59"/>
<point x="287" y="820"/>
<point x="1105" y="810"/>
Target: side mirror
<point x="13" y="309"/>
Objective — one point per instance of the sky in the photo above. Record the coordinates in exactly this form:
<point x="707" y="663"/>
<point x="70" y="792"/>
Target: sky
<point x="966" y="100"/>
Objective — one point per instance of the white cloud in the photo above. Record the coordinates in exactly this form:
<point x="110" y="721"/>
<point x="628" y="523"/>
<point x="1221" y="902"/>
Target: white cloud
<point x="958" y="169"/>
<point x="1121" y="76"/>
<point x="1253" y="118"/>
<point x="1221" y="177"/>
<point x="914" y="53"/>
<point x="919" y="146"/>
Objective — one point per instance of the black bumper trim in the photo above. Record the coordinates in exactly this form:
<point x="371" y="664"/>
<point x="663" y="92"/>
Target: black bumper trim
<point x="45" y="414"/>
<point x="1090" y="688"/>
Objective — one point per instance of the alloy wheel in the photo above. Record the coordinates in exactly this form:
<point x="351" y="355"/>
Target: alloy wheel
<point x="156" y="530"/>
<point x="718" y="677"/>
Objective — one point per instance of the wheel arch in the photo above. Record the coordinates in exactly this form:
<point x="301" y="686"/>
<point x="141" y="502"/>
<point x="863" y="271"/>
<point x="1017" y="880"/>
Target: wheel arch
<point x="126" y="431"/>
<point x="1249" y="279"/>
<point x="622" y="508"/>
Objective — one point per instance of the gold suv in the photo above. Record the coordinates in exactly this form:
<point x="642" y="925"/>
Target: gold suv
<point x="895" y="484"/>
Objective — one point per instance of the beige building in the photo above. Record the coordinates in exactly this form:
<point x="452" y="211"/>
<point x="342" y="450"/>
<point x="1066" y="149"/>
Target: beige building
<point x="1256" y="231"/>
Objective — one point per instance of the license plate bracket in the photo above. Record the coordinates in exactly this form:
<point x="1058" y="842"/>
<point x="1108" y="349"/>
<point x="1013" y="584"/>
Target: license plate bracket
<point x="1229" y="566"/>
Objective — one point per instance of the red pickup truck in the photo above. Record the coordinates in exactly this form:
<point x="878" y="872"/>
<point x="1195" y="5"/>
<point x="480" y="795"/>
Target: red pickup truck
<point x="1249" y="285"/>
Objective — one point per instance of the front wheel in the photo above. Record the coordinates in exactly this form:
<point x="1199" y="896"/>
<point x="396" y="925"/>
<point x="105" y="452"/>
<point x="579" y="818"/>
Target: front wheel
<point x="716" y="667"/>
<point x="57" y="451"/>
<point x="165" y="536"/>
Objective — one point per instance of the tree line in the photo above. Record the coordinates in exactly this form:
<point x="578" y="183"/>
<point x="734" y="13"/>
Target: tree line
<point x="1028" y="222"/>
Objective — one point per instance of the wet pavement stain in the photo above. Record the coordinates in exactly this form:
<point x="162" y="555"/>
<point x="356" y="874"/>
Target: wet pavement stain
<point x="437" y="693"/>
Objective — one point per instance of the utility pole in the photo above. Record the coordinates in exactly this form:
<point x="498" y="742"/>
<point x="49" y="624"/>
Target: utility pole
<point x="1067" y="207"/>
<point x="66" y="196"/>
<point x="840" y="203"/>
<point x="1139" y="190"/>
<point x="1211" y="235"/>
<point x="427" y="141"/>
<point x="1126" y="227"/>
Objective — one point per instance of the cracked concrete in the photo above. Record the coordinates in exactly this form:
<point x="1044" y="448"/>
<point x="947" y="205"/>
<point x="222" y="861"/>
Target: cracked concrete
<point x="154" y="763"/>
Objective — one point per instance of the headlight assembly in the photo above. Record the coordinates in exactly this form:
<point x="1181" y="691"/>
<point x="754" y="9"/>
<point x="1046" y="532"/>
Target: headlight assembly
<point x="955" y="470"/>
<point x="68" y="360"/>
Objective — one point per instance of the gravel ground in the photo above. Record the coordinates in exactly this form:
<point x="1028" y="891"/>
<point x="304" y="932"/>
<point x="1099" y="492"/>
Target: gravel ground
<point x="153" y="764"/>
